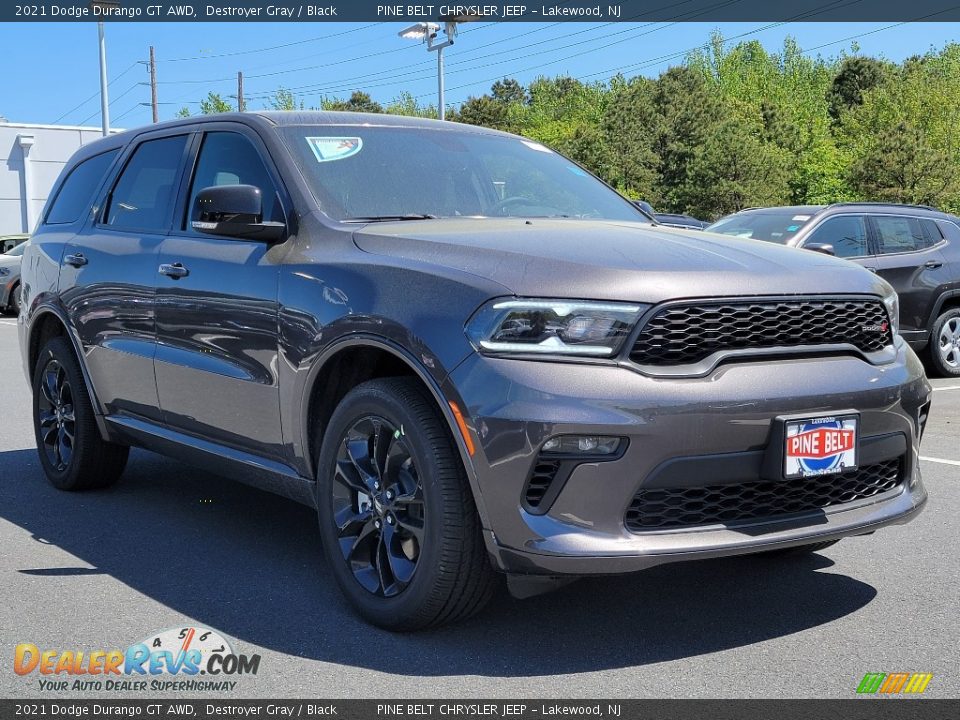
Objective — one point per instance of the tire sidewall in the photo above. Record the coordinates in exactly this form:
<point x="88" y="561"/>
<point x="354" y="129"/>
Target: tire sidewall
<point x="941" y="367"/>
<point x="365" y="401"/>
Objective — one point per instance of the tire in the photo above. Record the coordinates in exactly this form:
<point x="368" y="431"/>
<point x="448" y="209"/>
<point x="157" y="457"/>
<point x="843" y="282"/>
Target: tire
<point x="61" y="405"/>
<point x="408" y="552"/>
<point x="945" y="344"/>
<point x="801" y="549"/>
<point x="13" y="306"/>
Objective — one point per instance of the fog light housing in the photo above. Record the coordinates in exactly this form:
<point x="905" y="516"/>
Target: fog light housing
<point x="582" y="445"/>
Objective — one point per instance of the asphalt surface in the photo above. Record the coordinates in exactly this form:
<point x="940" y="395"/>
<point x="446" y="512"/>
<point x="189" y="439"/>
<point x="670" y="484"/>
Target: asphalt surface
<point x="171" y="546"/>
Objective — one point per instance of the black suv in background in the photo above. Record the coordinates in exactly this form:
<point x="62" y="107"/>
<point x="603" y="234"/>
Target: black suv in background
<point x="914" y="248"/>
<point x="464" y="351"/>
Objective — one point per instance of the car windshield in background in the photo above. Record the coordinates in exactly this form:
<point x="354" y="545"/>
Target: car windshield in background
<point x="365" y="174"/>
<point x="17" y="251"/>
<point x="772" y="226"/>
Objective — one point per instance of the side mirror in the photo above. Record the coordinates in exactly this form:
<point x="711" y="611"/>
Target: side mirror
<point x="825" y="248"/>
<point x="234" y="211"/>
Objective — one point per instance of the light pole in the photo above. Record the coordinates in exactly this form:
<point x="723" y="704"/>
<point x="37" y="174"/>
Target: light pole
<point x="104" y="99"/>
<point x="427" y="32"/>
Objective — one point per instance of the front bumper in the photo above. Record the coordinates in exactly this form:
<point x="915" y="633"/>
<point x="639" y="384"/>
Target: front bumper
<point x="514" y="406"/>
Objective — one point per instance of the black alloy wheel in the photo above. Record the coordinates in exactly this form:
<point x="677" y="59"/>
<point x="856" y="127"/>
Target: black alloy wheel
<point x="56" y="415"/>
<point x="378" y="506"/>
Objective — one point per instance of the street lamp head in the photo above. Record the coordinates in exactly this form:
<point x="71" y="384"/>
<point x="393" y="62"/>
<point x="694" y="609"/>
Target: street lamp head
<point x="105" y="4"/>
<point x="421" y="31"/>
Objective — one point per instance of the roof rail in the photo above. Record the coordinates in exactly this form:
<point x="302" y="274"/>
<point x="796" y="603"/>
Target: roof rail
<point x="885" y="204"/>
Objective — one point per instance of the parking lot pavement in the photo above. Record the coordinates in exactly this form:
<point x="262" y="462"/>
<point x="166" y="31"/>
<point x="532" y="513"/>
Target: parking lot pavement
<point x="171" y="546"/>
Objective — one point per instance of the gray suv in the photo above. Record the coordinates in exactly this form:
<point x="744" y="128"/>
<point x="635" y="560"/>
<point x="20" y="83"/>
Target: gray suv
<point x="467" y="353"/>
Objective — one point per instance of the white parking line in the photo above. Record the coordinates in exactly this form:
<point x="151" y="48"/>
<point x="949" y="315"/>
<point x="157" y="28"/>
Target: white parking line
<point x="940" y="460"/>
<point x="948" y="387"/>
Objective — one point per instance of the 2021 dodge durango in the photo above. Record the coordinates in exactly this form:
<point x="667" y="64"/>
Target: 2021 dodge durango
<point x="467" y="353"/>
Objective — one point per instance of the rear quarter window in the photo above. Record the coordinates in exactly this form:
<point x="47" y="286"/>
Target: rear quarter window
<point x="76" y="194"/>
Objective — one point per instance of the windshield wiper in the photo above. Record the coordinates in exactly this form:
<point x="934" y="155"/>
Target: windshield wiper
<point x="391" y="218"/>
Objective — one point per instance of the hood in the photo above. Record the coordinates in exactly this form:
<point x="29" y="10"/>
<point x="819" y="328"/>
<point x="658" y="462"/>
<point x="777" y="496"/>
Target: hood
<point x="10" y="261"/>
<point x="605" y="260"/>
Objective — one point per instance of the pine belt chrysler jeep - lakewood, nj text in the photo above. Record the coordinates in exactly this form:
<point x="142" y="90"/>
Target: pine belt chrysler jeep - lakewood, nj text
<point x="466" y="352"/>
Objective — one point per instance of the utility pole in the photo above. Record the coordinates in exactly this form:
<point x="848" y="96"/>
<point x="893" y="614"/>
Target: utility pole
<point x="153" y="86"/>
<point x="104" y="100"/>
<point x="241" y="105"/>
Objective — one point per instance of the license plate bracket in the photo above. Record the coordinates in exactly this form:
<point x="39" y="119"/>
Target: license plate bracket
<point x="804" y="446"/>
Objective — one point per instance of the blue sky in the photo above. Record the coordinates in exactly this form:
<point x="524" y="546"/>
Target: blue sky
<point x="50" y="70"/>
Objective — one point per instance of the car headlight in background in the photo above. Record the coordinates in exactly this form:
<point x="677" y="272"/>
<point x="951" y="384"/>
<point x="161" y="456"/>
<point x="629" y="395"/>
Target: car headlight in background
<point x="892" y="301"/>
<point x="553" y="327"/>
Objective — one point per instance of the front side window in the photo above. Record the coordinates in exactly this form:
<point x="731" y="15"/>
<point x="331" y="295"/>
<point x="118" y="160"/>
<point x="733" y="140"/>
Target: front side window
<point x="228" y="158"/>
<point x="143" y="196"/>
<point x="846" y="233"/>
<point x="363" y="173"/>
<point x="76" y="194"/>
<point x="899" y="234"/>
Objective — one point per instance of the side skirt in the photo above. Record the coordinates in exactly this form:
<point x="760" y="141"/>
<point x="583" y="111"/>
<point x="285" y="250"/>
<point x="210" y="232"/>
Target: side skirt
<point x="253" y="470"/>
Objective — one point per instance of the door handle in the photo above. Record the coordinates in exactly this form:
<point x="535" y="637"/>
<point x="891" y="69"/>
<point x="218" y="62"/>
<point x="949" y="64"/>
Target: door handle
<point x="174" y="270"/>
<point x="932" y="264"/>
<point x="76" y="261"/>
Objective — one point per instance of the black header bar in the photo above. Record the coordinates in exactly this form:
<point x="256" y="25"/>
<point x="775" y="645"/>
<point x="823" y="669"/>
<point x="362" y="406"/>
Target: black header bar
<point x="487" y="11"/>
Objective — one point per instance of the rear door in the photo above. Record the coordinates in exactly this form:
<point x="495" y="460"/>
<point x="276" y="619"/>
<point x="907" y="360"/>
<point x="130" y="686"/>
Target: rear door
<point x="217" y="312"/>
<point x="108" y="274"/>
<point x="909" y="257"/>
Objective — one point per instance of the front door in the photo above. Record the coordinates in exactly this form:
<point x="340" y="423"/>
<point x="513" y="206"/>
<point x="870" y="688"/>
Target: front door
<point x="217" y="312"/>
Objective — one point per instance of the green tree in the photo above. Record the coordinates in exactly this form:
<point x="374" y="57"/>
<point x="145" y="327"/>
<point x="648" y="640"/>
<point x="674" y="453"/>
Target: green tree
<point x="213" y="103"/>
<point x="856" y="76"/>
<point x="284" y="99"/>
<point x="359" y="102"/>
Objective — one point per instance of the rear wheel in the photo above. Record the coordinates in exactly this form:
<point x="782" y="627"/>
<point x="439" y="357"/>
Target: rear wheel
<point x="399" y="525"/>
<point x="72" y="453"/>
<point x="945" y="344"/>
<point x="14" y="303"/>
<point x="801" y="549"/>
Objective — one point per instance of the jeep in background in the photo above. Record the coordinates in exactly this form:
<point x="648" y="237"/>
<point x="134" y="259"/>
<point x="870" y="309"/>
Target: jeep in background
<point x="467" y="353"/>
<point x="914" y="248"/>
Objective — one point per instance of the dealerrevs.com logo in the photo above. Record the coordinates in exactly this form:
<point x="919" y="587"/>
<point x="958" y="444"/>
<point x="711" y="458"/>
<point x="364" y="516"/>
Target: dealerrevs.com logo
<point x="192" y="659"/>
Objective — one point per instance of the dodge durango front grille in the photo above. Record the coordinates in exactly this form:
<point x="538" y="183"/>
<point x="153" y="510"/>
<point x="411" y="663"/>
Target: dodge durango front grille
<point x="688" y="334"/>
<point x="672" y="508"/>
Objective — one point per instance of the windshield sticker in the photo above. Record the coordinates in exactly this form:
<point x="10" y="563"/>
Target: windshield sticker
<point x="793" y="228"/>
<point x="537" y="146"/>
<point x="801" y="218"/>
<point x="328" y="149"/>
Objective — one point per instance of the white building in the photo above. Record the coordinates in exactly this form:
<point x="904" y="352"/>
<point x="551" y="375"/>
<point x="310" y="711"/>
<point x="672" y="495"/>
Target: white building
<point x="31" y="158"/>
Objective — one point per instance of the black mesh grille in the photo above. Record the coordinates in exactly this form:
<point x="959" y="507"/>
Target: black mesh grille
<point x="661" y="508"/>
<point x="543" y="475"/>
<point x="687" y="334"/>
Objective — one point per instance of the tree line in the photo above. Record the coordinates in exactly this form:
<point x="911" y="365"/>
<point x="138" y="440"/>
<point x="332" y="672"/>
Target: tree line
<point x="735" y="126"/>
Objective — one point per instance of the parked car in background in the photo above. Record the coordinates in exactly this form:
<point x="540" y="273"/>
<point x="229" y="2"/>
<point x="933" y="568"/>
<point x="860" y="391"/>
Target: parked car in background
<point x="9" y="242"/>
<point x="10" y="278"/>
<point x="482" y="360"/>
<point x="677" y="220"/>
<point x="915" y="248"/>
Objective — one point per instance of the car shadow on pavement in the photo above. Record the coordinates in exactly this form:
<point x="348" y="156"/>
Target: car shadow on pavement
<point x="249" y="564"/>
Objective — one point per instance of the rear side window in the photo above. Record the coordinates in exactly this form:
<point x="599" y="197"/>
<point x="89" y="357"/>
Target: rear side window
<point x="931" y="230"/>
<point x="899" y="234"/>
<point x="846" y="233"/>
<point x="143" y="195"/>
<point x="76" y="193"/>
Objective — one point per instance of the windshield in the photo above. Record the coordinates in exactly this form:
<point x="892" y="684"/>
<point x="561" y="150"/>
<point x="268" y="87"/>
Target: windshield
<point x="365" y="173"/>
<point x="17" y="251"/>
<point x="779" y="226"/>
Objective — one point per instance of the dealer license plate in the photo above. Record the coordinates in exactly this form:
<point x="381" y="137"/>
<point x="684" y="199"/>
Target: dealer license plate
<point x="820" y="446"/>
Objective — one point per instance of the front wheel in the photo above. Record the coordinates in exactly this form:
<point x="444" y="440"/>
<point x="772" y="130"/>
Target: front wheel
<point x="945" y="344"/>
<point x="399" y="525"/>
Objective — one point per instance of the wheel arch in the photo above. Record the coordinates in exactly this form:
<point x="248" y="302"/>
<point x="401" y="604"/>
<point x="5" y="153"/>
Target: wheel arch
<point x="356" y="359"/>
<point x="947" y="300"/>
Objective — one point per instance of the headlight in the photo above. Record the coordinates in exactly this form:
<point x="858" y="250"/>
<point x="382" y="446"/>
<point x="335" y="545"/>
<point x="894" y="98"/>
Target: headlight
<point x="892" y="301"/>
<point x="553" y="327"/>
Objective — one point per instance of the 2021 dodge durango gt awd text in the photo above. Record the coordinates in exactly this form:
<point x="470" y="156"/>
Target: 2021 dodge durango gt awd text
<point x="466" y="352"/>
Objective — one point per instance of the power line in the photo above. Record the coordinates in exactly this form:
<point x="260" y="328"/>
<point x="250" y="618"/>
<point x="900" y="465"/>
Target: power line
<point x="96" y="94"/>
<point x="272" y="47"/>
<point x="112" y="101"/>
